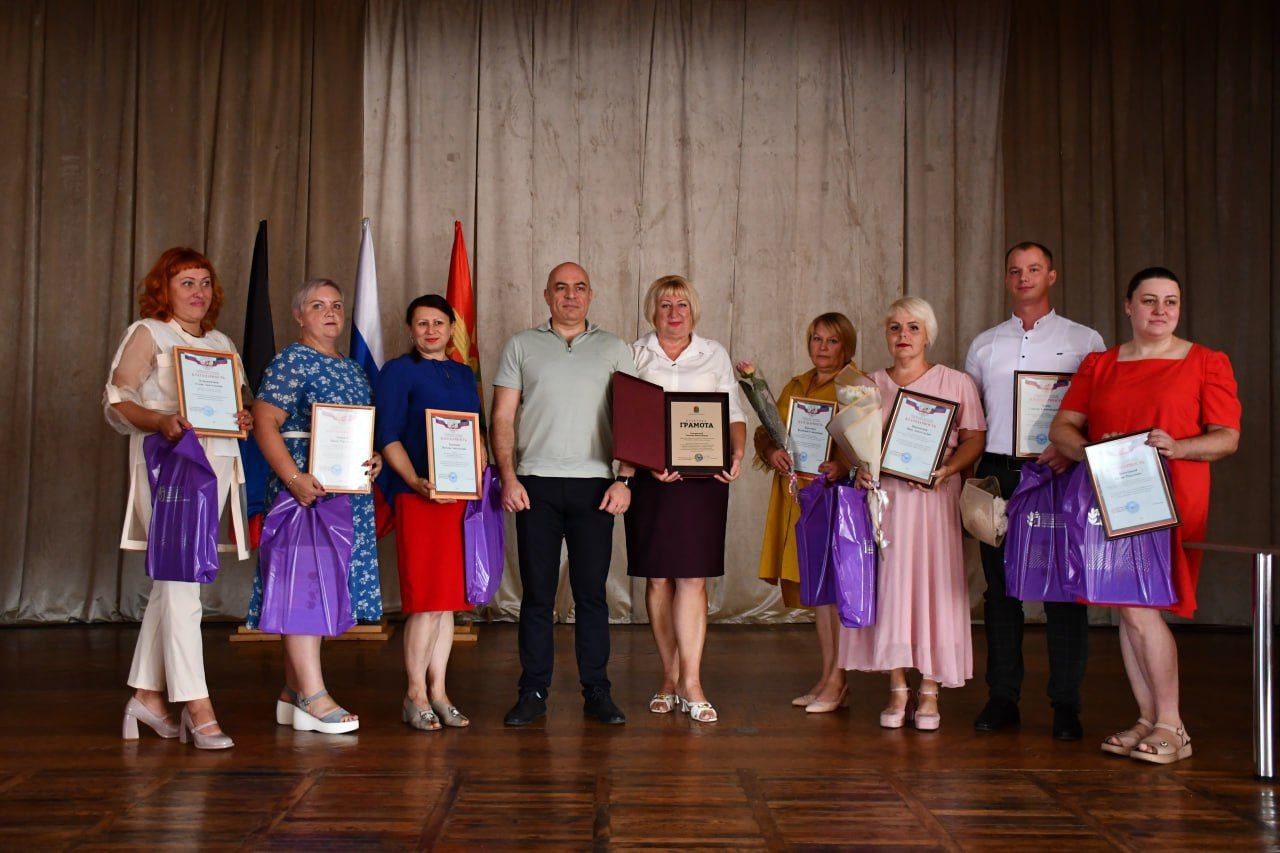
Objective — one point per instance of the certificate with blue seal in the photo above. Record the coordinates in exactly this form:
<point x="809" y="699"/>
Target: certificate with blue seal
<point x="453" y="453"/>
<point x="1037" y="396"/>
<point x="807" y="421"/>
<point x="341" y="444"/>
<point x="209" y="391"/>
<point x="1131" y="483"/>
<point x="916" y="436"/>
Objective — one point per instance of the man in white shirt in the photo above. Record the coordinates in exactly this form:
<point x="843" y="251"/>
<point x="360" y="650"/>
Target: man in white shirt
<point x="1034" y="338"/>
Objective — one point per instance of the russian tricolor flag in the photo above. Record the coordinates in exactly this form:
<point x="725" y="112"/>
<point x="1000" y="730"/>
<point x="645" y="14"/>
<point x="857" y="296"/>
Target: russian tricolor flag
<point x="366" y="322"/>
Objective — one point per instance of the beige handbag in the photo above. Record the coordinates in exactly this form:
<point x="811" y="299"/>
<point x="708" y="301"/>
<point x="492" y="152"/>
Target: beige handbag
<point x="982" y="510"/>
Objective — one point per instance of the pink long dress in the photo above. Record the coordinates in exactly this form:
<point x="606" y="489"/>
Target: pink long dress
<point x="922" y="613"/>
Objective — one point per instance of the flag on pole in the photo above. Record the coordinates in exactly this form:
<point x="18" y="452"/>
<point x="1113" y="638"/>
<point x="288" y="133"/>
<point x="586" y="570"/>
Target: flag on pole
<point x="366" y="349"/>
<point x="366" y="322"/>
<point x="464" y="348"/>
<point x="257" y="350"/>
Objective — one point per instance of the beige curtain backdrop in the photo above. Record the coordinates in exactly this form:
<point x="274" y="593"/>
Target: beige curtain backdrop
<point x="1140" y="133"/>
<point x="133" y="127"/>
<point x="789" y="158"/>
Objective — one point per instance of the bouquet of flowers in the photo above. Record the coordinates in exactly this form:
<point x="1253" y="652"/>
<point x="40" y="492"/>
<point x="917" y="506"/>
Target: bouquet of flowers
<point x="857" y="428"/>
<point x="765" y="405"/>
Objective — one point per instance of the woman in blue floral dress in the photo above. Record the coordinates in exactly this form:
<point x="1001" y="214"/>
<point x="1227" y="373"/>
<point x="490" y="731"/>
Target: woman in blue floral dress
<point x="307" y="372"/>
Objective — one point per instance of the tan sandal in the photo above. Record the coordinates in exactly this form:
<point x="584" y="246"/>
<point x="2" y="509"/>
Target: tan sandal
<point x="1165" y="749"/>
<point x="1128" y="739"/>
<point x="663" y="703"/>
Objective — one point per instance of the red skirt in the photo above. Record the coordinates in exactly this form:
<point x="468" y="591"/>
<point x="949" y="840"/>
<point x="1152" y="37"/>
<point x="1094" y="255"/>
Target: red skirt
<point x="429" y="555"/>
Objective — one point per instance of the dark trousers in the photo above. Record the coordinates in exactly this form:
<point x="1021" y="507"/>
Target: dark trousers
<point x="564" y="509"/>
<point x="1067" y="627"/>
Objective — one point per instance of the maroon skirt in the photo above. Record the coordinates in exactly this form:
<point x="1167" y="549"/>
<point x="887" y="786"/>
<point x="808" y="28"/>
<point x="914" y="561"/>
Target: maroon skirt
<point x="676" y="530"/>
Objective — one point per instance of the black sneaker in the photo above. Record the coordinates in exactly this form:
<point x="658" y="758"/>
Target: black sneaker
<point x="1066" y="723"/>
<point x="529" y="707"/>
<point x="999" y="714"/>
<point x="599" y="704"/>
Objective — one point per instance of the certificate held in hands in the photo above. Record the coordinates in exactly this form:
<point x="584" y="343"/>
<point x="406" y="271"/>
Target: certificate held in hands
<point x="679" y="431"/>
<point x="209" y="391"/>
<point x="1131" y="485"/>
<point x="341" y="442"/>
<point x="1037" y="396"/>
<point x="453" y="453"/>
<point x="807" y="421"/>
<point x="916" y="436"/>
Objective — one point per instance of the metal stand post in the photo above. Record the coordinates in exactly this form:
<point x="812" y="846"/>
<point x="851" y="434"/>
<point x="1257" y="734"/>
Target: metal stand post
<point x="1263" y="742"/>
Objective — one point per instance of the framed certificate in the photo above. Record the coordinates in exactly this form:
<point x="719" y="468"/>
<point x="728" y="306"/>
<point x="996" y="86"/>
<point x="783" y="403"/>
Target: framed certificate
<point x="1037" y="396"/>
<point x="208" y="391"/>
<point x="807" y="421"/>
<point x="916" y="436"/>
<point x="453" y="453"/>
<point x="341" y="442"/>
<point x="1131" y="485"/>
<point x="697" y="432"/>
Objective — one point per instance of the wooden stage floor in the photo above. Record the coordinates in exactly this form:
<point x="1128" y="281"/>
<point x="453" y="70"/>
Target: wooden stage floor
<point x="766" y="776"/>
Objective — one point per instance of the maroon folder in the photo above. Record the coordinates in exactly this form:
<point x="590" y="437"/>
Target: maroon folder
<point x="639" y="422"/>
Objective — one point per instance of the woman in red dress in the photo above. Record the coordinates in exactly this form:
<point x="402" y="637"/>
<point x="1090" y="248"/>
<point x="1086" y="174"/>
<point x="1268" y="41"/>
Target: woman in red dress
<point x="1185" y="394"/>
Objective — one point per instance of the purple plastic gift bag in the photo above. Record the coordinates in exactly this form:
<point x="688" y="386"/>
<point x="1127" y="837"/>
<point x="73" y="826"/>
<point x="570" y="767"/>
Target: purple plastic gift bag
<point x="304" y="558"/>
<point x="1131" y="570"/>
<point x="854" y="557"/>
<point x="813" y="543"/>
<point x="182" y="539"/>
<point x="1036" y="567"/>
<point x="484" y="541"/>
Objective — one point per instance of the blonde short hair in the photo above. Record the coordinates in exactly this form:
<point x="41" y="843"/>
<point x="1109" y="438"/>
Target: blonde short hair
<point x="843" y="328"/>
<point x="921" y="310"/>
<point x="672" y="285"/>
<point x="302" y="294"/>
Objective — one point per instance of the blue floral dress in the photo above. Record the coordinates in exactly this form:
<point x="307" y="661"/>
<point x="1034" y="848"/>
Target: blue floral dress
<point x="297" y="377"/>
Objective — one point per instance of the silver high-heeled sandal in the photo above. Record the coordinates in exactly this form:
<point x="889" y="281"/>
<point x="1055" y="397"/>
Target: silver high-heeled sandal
<point x="663" y="703"/>
<point x="134" y="711"/>
<point x="897" y="719"/>
<point x="188" y="732"/>
<point x="419" y="718"/>
<point x="450" y="715"/>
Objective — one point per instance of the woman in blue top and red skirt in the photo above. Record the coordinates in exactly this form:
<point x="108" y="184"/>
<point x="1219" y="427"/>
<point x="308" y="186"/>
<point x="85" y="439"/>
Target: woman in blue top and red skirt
<point x="429" y="546"/>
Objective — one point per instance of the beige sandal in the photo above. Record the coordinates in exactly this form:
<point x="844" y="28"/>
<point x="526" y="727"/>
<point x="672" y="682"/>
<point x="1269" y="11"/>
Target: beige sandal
<point x="1165" y="749"/>
<point x="663" y="703"/>
<point x="1127" y="740"/>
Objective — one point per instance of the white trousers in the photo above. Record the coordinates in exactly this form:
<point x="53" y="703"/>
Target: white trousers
<point x="170" y="649"/>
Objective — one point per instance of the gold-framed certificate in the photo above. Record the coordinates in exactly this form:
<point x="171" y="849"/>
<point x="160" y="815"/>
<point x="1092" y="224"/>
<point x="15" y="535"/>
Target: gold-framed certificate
<point x="453" y="453"/>
<point x="697" y="432"/>
<point x="209" y="391"/>
<point x="916" y="436"/>
<point x="1132" y="486"/>
<point x="341" y="444"/>
<point x="807" y="421"/>
<point x="1037" y="396"/>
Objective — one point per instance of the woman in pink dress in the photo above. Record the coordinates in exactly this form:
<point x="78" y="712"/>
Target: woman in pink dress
<point x="922" y="611"/>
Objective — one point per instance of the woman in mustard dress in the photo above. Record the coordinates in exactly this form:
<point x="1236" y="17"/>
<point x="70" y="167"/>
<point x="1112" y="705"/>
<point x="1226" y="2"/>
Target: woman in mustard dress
<point x="832" y="342"/>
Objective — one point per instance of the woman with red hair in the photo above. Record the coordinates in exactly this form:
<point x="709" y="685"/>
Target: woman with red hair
<point x="179" y="305"/>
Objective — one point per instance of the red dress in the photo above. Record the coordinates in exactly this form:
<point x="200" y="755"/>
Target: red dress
<point x="1179" y="396"/>
<point x="429" y="549"/>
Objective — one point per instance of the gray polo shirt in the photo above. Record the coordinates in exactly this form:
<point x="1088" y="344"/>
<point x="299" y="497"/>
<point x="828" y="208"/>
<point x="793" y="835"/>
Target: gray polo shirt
<point x="562" y="429"/>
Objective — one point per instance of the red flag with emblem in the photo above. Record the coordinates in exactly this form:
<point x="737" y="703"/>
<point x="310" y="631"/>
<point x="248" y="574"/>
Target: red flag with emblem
<point x="465" y="346"/>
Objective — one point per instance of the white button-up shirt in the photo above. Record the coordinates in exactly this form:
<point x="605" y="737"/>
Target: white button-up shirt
<point x="1054" y="344"/>
<point x="703" y="366"/>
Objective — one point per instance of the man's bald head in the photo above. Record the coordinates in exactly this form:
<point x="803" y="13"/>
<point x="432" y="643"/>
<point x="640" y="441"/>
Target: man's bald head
<point x="568" y="294"/>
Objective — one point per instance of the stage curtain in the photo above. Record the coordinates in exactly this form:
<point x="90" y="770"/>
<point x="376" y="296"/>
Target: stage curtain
<point x="135" y="126"/>
<point x="1146" y="133"/>
<point x="789" y="158"/>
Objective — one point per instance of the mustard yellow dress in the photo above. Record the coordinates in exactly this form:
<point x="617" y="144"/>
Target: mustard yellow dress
<point x="778" y="561"/>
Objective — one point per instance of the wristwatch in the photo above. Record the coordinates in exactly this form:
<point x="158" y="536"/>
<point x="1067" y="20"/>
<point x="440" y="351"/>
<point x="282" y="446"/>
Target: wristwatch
<point x="626" y="481"/>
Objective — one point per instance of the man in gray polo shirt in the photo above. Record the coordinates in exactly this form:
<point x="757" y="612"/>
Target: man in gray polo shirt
<point x="557" y="476"/>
